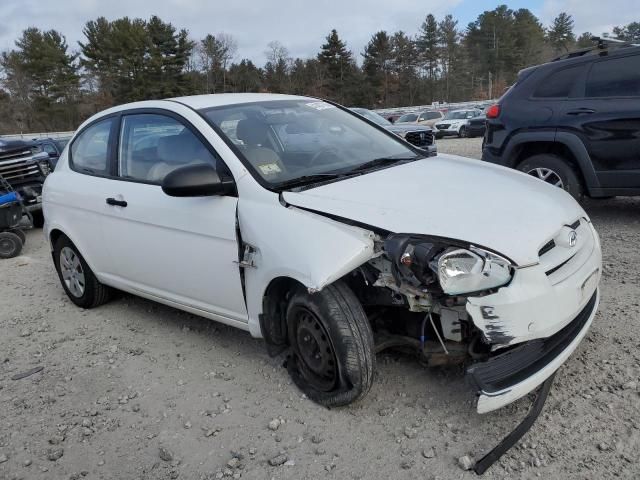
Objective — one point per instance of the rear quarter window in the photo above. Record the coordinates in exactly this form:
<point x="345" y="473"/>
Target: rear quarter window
<point x="559" y="84"/>
<point x="90" y="150"/>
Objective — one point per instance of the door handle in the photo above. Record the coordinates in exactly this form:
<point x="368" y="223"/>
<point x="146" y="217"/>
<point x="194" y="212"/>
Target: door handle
<point x="581" y="111"/>
<point x="116" y="203"/>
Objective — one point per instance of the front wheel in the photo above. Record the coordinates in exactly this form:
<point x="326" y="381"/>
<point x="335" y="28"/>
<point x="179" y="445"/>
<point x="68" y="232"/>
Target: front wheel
<point x="555" y="171"/>
<point x="463" y="132"/>
<point x="332" y="351"/>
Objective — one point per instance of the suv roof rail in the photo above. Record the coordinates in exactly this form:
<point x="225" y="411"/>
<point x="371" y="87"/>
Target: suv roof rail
<point x="602" y="44"/>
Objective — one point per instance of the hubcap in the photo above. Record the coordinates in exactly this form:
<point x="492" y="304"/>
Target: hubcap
<point x="547" y="175"/>
<point x="318" y="360"/>
<point x="72" y="273"/>
<point x="6" y="246"/>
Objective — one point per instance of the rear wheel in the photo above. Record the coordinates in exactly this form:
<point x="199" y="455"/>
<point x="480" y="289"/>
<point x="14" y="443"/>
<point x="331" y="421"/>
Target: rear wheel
<point x="332" y="353"/>
<point x="555" y="171"/>
<point x="77" y="279"/>
<point x="10" y="245"/>
<point x="21" y="234"/>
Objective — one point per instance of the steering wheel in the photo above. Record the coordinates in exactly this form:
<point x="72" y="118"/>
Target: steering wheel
<point x="320" y="153"/>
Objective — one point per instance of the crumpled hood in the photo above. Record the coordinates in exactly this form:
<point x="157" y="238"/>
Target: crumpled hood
<point x="449" y="196"/>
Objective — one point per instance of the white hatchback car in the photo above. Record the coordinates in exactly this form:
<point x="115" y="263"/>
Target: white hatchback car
<point x="331" y="238"/>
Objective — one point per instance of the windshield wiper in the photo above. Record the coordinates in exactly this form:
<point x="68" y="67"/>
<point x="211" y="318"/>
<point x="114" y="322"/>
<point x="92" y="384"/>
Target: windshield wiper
<point x="379" y="162"/>
<point x="308" y="179"/>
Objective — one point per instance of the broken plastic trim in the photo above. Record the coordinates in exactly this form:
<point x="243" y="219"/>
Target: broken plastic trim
<point x="510" y="440"/>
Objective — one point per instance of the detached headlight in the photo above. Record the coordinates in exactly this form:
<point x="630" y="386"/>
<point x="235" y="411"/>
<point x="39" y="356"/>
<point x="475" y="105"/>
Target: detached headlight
<point x="463" y="270"/>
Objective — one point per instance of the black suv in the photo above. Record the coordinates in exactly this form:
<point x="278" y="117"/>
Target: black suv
<point x="573" y="122"/>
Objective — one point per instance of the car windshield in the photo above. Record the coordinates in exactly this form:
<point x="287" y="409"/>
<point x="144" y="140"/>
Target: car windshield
<point x="459" y="115"/>
<point x="304" y="140"/>
<point x="407" y="117"/>
<point x="62" y="142"/>
<point x="372" y="116"/>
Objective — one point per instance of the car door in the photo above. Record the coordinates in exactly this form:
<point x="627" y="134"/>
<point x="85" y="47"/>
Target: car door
<point x="81" y="189"/>
<point x="607" y="118"/>
<point x="184" y="250"/>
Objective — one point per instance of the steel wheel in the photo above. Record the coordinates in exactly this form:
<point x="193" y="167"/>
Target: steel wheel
<point x="547" y="175"/>
<point x="313" y="348"/>
<point x="71" y="271"/>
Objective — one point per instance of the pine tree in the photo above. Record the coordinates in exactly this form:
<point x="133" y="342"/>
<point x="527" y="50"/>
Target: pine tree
<point x="630" y="33"/>
<point x="337" y="61"/>
<point x="560" y="35"/>
<point x="377" y="68"/>
<point x="427" y="47"/>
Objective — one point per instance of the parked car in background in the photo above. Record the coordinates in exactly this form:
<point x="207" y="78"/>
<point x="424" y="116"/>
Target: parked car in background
<point x="573" y="122"/>
<point x="419" y="135"/>
<point x="332" y="246"/>
<point x="25" y="166"/>
<point x="476" y="126"/>
<point x="455" y="122"/>
<point x="426" y="117"/>
<point x="393" y="117"/>
<point x="52" y="147"/>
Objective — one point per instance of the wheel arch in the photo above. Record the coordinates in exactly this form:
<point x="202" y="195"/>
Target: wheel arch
<point x="564" y="144"/>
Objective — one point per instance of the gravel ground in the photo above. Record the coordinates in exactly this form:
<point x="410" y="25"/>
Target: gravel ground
<point x="138" y="390"/>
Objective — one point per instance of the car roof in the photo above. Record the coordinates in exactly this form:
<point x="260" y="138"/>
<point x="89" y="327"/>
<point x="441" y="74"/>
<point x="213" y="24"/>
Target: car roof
<point x="221" y="99"/>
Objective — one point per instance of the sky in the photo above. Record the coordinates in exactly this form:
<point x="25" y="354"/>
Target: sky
<point x="299" y="25"/>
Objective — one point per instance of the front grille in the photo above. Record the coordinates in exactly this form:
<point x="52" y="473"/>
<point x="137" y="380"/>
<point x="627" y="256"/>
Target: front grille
<point x="550" y="245"/>
<point x="442" y="126"/>
<point x="522" y="361"/>
<point x="559" y="258"/>
<point x="420" y="139"/>
<point x="20" y="170"/>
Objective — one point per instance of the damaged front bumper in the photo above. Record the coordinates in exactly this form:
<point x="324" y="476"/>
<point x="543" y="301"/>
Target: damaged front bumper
<point x="511" y="375"/>
<point x="536" y="322"/>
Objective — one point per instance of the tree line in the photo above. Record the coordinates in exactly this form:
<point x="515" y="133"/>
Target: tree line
<point x="46" y="85"/>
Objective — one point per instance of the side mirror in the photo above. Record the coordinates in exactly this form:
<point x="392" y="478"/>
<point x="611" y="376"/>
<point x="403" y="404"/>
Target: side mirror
<point x="196" y="181"/>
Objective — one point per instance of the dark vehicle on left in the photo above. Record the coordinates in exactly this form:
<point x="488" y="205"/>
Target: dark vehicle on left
<point x="477" y="126"/>
<point x="418" y="135"/>
<point x="25" y="167"/>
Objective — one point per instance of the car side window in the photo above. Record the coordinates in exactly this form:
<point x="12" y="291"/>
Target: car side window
<point x="90" y="150"/>
<point x="617" y="77"/>
<point x="559" y="84"/>
<point x="47" y="147"/>
<point x="433" y="115"/>
<point x="152" y="145"/>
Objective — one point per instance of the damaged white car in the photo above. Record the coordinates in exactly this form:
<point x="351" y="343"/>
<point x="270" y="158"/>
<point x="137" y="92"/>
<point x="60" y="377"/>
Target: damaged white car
<point x="328" y="236"/>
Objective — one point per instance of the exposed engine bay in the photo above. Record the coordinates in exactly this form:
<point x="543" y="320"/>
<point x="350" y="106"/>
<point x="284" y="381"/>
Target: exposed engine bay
<point x="401" y="292"/>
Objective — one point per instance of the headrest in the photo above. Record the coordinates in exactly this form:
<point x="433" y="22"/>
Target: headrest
<point x="252" y="131"/>
<point x="173" y="149"/>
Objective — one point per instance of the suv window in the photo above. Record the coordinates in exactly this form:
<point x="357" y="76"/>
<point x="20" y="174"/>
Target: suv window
<point x="559" y="84"/>
<point x="152" y="145"/>
<point x="618" y="77"/>
<point x="90" y="151"/>
<point x="47" y="147"/>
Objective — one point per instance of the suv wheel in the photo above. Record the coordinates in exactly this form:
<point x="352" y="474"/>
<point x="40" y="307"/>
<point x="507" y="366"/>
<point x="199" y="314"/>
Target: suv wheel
<point x="77" y="279"/>
<point x="462" y="133"/>
<point x="332" y="352"/>
<point x="553" y="170"/>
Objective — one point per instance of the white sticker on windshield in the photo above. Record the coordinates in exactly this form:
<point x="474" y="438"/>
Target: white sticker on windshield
<point x="269" y="168"/>
<point x="320" y="105"/>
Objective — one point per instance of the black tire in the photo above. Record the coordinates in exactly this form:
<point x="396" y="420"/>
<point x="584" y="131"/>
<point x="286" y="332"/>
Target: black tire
<point x="462" y="133"/>
<point x="439" y="136"/>
<point x="560" y="167"/>
<point x="21" y="234"/>
<point x="38" y="218"/>
<point x="94" y="293"/>
<point x="341" y="332"/>
<point x="10" y="245"/>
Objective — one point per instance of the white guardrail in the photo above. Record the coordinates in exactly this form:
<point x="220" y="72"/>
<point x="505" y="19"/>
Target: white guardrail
<point x="36" y="136"/>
